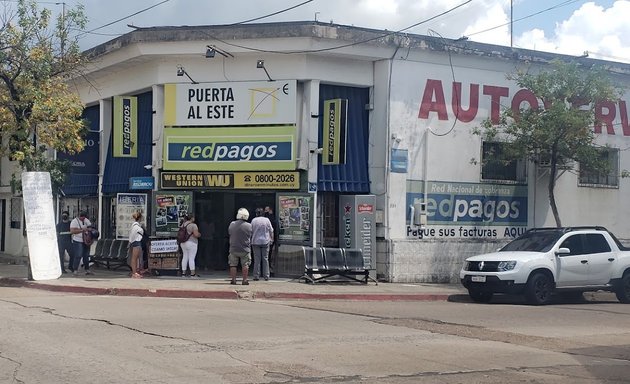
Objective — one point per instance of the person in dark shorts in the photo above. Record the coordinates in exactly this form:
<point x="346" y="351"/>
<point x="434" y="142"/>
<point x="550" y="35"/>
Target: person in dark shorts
<point x="240" y="232"/>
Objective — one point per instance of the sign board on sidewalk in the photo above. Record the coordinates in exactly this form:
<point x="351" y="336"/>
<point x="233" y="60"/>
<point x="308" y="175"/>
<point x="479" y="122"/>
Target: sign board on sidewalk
<point x="40" y="226"/>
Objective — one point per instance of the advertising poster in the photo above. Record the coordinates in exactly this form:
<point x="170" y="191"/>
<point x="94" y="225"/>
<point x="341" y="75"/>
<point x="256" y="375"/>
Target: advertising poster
<point x="469" y="210"/>
<point x="295" y="214"/>
<point x="40" y="226"/>
<point x="357" y="225"/>
<point x="232" y="103"/>
<point x="170" y="210"/>
<point x="126" y="205"/>
<point x="125" y="130"/>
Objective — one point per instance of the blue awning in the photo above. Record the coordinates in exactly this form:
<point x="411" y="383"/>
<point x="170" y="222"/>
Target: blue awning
<point x="351" y="177"/>
<point x="83" y="177"/>
<point x="118" y="170"/>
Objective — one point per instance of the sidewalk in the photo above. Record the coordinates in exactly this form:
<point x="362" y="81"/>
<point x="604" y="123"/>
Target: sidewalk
<point x="216" y="285"/>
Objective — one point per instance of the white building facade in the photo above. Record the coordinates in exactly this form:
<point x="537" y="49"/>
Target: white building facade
<point x="411" y="102"/>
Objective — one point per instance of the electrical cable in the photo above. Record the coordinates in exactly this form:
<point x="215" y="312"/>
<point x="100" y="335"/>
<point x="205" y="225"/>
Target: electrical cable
<point x="271" y="14"/>
<point x="526" y="17"/>
<point x="123" y="18"/>
<point x="339" y="46"/>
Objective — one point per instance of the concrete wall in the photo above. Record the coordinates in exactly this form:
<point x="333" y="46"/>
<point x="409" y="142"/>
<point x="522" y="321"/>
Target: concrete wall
<point x="433" y="261"/>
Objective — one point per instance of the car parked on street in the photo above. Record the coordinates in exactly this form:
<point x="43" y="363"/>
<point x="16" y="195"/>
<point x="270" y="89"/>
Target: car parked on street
<point x="544" y="261"/>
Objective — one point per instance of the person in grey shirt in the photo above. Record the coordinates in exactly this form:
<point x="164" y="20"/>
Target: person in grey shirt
<point x="240" y="232"/>
<point x="262" y="238"/>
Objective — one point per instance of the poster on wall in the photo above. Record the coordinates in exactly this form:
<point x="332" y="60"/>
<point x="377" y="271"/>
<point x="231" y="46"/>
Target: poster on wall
<point x="170" y="210"/>
<point x="295" y="215"/>
<point x="126" y="205"/>
<point x="469" y="210"/>
<point x="41" y="232"/>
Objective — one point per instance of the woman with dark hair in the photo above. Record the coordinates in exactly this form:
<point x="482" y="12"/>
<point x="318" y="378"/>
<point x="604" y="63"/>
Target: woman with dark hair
<point x="189" y="247"/>
<point x="135" y="243"/>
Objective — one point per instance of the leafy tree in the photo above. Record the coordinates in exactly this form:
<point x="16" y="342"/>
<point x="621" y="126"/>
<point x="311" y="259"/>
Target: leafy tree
<point x="38" y="111"/>
<point x="560" y="127"/>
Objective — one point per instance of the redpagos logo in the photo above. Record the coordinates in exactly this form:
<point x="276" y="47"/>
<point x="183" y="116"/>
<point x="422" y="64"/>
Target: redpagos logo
<point x="230" y="152"/>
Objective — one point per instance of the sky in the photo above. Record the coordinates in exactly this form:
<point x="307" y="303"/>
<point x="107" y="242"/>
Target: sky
<point x="599" y="27"/>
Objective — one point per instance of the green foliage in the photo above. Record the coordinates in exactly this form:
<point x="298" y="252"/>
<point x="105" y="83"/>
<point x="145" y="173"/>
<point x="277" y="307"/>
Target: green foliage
<point x="560" y="128"/>
<point x="38" y="112"/>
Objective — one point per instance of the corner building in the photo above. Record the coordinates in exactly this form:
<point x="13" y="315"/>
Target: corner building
<point x="356" y="137"/>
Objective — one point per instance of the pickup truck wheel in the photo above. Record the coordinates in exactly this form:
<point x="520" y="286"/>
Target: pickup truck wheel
<point x="539" y="289"/>
<point x="623" y="290"/>
<point x="479" y="296"/>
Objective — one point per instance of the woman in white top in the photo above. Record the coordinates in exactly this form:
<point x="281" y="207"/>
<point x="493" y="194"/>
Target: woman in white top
<point x="135" y="243"/>
<point x="189" y="247"/>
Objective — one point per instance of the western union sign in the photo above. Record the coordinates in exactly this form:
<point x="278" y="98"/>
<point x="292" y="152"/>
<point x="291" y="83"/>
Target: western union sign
<point x="230" y="180"/>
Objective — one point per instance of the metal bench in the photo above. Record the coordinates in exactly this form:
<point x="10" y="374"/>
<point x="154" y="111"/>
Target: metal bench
<point x="111" y="253"/>
<point x="322" y="264"/>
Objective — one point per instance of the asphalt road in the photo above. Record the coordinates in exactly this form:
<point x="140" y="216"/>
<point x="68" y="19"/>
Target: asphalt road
<point x="47" y="337"/>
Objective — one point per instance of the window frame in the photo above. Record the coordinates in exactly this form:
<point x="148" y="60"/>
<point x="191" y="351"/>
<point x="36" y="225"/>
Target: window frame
<point x="494" y="176"/>
<point x="587" y="178"/>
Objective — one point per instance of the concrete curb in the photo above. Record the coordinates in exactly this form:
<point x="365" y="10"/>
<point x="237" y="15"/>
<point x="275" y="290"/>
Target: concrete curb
<point x="223" y="295"/>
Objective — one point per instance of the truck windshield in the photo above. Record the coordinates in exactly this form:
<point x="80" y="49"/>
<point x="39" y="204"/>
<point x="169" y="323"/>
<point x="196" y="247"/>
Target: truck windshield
<point x="534" y="241"/>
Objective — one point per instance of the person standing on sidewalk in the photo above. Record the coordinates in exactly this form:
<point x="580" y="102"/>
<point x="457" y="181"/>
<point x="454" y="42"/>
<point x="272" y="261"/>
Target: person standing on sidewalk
<point x="240" y="232"/>
<point x="189" y="247"/>
<point x="135" y="243"/>
<point x="262" y="239"/>
<point x="80" y="250"/>
<point x="64" y="241"/>
<point x="274" y="224"/>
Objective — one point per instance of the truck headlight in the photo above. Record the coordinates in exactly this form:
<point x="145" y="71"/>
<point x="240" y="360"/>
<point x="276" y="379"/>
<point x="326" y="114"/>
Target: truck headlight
<point x="466" y="265"/>
<point x="506" y="266"/>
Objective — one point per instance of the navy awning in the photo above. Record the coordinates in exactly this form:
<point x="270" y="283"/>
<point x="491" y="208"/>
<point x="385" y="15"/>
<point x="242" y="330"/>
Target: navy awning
<point x="118" y="170"/>
<point x="352" y="176"/>
<point x="83" y="177"/>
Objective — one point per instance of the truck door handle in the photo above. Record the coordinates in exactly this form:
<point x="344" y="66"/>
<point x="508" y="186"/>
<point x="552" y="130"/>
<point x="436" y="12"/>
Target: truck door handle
<point x="611" y="259"/>
<point x="584" y="261"/>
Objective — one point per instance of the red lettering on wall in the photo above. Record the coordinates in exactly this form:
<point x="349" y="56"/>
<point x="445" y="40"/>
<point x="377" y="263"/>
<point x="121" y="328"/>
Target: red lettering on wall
<point x="431" y="104"/>
<point x="604" y="118"/>
<point x="495" y="94"/>
<point x="465" y="115"/>
<point x="520" y="97"/>
<point x="623" y="113"/>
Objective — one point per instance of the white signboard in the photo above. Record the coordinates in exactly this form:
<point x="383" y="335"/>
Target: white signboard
<point x="234" y="103"/>
<point x="126" y="205"/>
<point x="163" y="246"/>
<point x="40" y="226"/>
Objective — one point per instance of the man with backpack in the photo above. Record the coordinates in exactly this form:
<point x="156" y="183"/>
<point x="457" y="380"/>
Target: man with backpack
<point x="79" y="226"/>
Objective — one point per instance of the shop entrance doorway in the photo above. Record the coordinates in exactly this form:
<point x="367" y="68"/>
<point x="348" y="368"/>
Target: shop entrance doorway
<point x="214" y="211"/>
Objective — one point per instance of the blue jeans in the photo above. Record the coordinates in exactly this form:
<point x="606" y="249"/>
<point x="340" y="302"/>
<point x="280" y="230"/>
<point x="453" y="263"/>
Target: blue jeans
<point x="80" y="251"/>
<point x="261" y="254"/>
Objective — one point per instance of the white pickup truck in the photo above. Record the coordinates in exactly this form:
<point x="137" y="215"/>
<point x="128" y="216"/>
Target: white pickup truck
<point x="547" y="260"/>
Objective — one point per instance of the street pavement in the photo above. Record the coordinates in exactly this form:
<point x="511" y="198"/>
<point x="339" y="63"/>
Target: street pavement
<point x="216" y="285"/>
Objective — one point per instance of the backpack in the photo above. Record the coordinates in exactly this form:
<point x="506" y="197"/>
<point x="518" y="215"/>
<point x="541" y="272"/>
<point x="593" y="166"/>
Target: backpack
<point x="182" y="234"/>
<point x="90" y="235"/>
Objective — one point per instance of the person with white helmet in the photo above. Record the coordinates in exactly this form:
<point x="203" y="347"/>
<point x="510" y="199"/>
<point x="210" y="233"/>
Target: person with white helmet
<point x="240" y="232"/>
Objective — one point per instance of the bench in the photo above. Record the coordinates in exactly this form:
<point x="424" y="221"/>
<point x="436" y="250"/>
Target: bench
<point x="321" y="264"/>
<point x="111" y="253"/>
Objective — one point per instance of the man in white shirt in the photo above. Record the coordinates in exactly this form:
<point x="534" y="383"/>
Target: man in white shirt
<point x="262" y="238"/>
<point x="80" y="250"/>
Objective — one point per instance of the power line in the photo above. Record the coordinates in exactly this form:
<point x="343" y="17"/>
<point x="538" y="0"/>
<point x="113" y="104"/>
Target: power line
<point x="272" y="14"/>
<point x="123" y="18"/>
<point x="343" y="45"/>
<point x="526" y="17"/>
